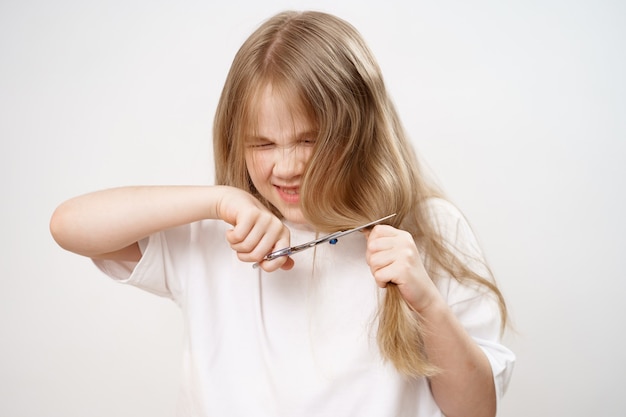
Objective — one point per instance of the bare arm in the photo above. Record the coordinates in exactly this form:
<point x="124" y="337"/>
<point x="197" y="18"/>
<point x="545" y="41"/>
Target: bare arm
<point x="465" y="385"/>
<point x="107" y="224"/>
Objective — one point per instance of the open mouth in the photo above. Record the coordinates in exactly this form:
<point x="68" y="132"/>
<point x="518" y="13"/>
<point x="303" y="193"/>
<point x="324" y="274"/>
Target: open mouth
<point x="289" y="194"/>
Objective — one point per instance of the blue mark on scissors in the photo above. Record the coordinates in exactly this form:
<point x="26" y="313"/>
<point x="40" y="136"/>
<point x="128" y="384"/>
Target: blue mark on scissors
<point x="332" y="241"/>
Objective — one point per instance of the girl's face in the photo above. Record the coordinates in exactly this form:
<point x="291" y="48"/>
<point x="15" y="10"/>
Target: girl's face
<point x="278" y="151"/>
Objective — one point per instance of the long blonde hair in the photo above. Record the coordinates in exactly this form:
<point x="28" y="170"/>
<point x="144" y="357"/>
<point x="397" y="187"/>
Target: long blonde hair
<point x="363" y="166"/>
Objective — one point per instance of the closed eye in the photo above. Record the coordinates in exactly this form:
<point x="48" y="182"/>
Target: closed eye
<point x="308" y="142"/>
<point x="261" y="144"/>
<point x="308" y="139"/>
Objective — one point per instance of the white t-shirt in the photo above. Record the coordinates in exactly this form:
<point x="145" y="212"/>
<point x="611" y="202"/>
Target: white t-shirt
<point x="299" y="342"/>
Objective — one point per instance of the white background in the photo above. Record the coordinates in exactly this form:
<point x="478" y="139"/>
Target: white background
<point x="518" y="107"/>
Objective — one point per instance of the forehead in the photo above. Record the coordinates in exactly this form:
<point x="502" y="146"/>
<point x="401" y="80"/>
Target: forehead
<point x="276" y="113"/>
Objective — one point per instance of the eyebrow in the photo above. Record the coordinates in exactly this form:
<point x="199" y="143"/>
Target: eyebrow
<point x="261" y="138"/>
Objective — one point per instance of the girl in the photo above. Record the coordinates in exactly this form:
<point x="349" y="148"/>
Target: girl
<point x="401" y="320"/>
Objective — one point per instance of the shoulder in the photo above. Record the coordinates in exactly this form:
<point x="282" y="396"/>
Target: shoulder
<point x="442" y="209"/>
<point x="445" y="216"/>
<point x="455" y="233"/>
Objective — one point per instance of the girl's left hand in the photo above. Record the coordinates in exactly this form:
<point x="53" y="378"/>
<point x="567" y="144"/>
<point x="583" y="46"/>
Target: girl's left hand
<point x="394" y="258"/>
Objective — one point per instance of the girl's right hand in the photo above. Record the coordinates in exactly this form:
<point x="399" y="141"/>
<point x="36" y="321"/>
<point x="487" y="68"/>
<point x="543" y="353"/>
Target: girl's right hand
<point x="256" y="231"/>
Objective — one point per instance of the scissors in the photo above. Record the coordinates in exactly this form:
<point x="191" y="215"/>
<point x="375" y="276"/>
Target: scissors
<point x="331" y="238"/>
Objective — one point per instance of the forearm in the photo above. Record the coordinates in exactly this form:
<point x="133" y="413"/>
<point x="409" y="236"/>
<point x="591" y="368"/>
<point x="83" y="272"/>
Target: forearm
<point x="465" y="385"/>
<point x="110" y="220"/>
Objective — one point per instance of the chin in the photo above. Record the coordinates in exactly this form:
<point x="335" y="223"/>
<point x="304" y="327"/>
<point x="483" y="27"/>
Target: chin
<point x="294" y="216"/>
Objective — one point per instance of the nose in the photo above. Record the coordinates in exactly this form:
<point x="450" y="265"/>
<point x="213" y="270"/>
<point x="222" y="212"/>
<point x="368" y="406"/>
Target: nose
<point x="288" y="162"/>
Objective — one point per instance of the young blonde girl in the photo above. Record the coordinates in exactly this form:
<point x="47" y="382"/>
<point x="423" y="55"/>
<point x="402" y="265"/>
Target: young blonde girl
<point x="307" y="141"/>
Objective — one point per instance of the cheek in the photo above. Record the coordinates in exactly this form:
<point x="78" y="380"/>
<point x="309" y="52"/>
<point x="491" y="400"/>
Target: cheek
<point x="307" y="153"/>
<point x="301" y="157"/>
<point x="257" y="167"/>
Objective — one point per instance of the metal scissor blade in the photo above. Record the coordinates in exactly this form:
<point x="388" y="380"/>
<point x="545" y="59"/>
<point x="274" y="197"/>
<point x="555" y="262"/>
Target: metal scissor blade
<point x="356" y="229"/>
<point x="298" y="248"/>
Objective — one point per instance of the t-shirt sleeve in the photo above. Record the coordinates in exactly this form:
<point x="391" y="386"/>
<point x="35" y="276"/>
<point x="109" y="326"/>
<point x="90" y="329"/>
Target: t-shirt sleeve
<point x="155" y="272"/>
<point x="475" y="306"/>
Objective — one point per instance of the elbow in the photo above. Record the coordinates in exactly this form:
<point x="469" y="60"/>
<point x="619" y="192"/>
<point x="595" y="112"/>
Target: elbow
<point x="58" y="226"/>
<point x="62" y="228"/>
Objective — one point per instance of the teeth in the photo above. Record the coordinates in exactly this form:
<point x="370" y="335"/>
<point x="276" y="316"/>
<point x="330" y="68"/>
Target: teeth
<point x="290" y="191"/>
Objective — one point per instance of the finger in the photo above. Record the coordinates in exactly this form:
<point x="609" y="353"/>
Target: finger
<point x="381" y="230"/>
<point x="289" y="263"/>
<point x="384" y="275"/>
<point x="257" y="236"/>
<point x="380" y="244"/>
<point x="377" y="261"/>
<point x="240" y="231"/>
<point x="381" y="250"/>
<point x="283" y="262"/>
<point x="271" y="240"/>
<point x="257" y="244"/>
